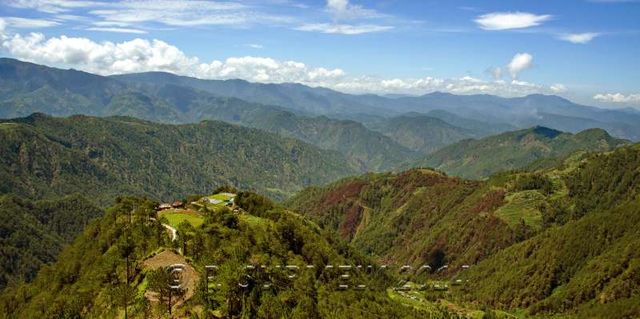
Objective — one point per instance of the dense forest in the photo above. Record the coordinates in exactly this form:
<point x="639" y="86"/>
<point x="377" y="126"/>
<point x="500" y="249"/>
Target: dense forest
<point x="32" y="234"/>
<point x="515" y="150"/>
<point x="559" y="240"/>
<point x="45" y="157"/>
<point x="106" y="270"/>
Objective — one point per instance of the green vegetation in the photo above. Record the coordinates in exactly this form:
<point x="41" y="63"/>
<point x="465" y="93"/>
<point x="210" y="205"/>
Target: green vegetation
<point x="416" y="217"/>
<point x="45" y="157"/>
<point x="33" y="233"/>
<point x="522" y="207"/>
<point x="422" y="133"/>
<point x="27" y="88"/>
<point x="176" y="216"/>
<point x="516" y="150"/>
<point x="557" y="241"/>
<point x="107" y="269"/>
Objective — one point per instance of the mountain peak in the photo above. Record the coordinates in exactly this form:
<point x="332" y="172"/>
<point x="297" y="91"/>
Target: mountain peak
<point x="545" y="131"/>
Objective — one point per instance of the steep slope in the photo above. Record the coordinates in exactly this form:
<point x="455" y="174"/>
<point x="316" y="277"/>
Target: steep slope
<point x="119" y="262"/>
<point x="366" y="149"/>
<point x="32" y="234"/>
<point x="557" y="241"/>
<point x="515" y="150"/>
<point x="421" y="133"/>
<point x="588" y="266"/>
<point x="44" y="157"/>
<point x="414" y="217"/>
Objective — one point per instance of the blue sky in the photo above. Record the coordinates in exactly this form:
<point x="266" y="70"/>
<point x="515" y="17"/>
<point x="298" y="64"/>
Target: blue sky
<point x="587" y="50"/>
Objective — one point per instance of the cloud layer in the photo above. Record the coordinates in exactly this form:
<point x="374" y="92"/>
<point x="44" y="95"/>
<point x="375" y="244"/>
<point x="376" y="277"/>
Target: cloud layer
<point x="137" y="16"/>
<point x="617" y="98"/>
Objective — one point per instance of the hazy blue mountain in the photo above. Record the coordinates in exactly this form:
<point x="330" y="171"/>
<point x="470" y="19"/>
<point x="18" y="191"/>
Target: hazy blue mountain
<point x="297" y="97"/>
<point x="477" y="128"/>
<point x="31" y="88"/>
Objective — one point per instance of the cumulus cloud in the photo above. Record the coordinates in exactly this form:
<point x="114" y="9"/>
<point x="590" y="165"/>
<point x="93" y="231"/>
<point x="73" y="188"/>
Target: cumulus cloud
<point x="519" y="63"/>
<point x="510" y="20"/>
<point x="579" y="38"/>
<point x="617" y="98"/>
<point x="141" y="55"/>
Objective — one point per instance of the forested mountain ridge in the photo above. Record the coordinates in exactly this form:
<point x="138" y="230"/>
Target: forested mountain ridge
<point x="110" y="266"/>
<point x="515" y="150"/>
<point x="45" y="157"/>
<point x="32" y="234"/>
<point x="29" y="88"/>
<point x="422" y="133"/>
<point x="559" y="240"/>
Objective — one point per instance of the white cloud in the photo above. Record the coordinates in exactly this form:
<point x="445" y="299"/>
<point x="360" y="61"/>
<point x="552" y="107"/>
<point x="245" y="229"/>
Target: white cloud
<point x="510" y="20"/>
<point x="117" y="30"/>
<point x="579" y="38"/>
<point x="167" y="12"/>
<point x="347" y="29"/>
<point x="52" y="6"/>
<point x="342" y="9"/>
<point x="140" y="55"/>
<point x="558" y="88"/>
<point x="617" y="98"/>
<point x="255" y="46"/>
<point x="17" y="22"/>
<point x="519" y="63"/>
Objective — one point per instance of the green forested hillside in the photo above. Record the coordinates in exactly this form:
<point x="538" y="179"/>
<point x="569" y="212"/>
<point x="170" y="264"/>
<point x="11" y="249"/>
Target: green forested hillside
<point x="110" y="267"/>
<point x="515" y="150"/>
<point x="422" y="133"/>
<point x="417" y="216"/>
<point x="590" y="265"/>
<point x="33" y="233"/>
<point x="558" y="240"/>
<point x="45" y="157"/>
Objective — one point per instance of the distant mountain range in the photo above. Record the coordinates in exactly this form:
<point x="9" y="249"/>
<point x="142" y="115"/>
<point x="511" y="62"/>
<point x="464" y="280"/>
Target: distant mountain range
<point x="375" y="133"/>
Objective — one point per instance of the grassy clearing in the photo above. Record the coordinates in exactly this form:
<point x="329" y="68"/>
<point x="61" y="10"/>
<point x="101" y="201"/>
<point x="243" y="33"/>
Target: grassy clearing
<point x="522" y="205"/>
<point x="222" y="197"/>
<point x="177" y="216"/>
